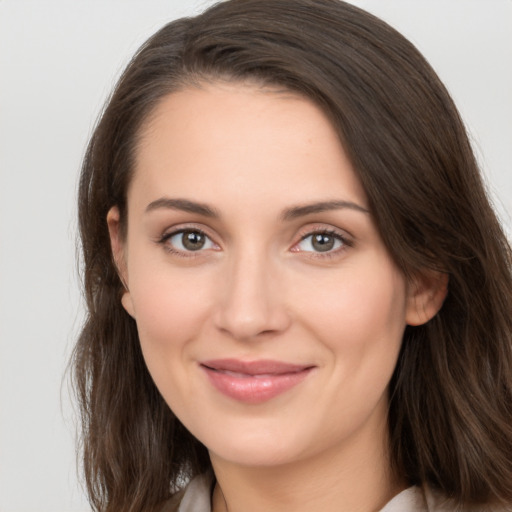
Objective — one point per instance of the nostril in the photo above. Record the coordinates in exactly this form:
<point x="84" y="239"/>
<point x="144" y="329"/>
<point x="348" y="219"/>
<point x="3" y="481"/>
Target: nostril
<point x="249" y="303"/>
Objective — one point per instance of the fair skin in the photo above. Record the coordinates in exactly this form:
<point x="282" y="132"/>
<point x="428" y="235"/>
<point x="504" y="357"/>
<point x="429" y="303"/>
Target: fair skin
<point x="257" y="277"/>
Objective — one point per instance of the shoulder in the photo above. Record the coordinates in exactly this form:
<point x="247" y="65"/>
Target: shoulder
<point x="419" y="499"/>
<point x="195" y="497"/>
<point x="173" y="504"/>
<point x="437" y="502"/>
<point x="409" y="500"/>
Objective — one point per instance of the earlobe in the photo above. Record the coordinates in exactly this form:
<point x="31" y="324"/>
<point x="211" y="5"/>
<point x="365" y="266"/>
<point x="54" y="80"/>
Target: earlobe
<point x="426" y="294"/>
<point x="117" y="245"/>
<point x="126" y="301"/>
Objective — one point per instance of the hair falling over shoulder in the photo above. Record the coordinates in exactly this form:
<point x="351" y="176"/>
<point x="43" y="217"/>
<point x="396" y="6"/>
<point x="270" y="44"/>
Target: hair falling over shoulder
<point x="450" y="417"/>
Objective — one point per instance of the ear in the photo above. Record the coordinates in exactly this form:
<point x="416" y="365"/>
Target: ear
<point x="118" y="252"/>
<point x="426" y="293"/>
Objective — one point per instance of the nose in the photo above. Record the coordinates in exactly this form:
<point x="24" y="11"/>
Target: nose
<point x="250" y="303"/>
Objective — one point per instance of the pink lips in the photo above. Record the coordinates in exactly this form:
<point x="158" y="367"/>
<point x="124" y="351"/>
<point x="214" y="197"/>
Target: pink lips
<point x="253" y="382"/>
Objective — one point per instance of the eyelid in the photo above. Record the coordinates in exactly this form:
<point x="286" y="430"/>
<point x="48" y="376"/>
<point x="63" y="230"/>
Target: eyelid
<point x="186" y="226"/>
<point x="345" y="237"/>
<point x="307" y="231"/>
<point x="182" y="228"/>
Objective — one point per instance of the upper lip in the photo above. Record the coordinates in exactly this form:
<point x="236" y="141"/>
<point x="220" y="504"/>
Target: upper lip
<point x="259" y="367"/>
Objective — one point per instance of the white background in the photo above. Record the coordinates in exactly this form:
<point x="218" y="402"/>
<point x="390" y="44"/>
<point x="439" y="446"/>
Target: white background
<point x="58" y="61"/>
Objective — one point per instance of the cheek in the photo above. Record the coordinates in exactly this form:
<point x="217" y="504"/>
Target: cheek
<point x="170" y="315"/>
<point x="170" y="309"/>
<point x="359" y="316"/>
<point x="363" y="298"/>
<point x="360" y="321"/>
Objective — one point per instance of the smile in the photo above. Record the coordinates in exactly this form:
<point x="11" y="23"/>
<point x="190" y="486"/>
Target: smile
<point x="255" y="381"/>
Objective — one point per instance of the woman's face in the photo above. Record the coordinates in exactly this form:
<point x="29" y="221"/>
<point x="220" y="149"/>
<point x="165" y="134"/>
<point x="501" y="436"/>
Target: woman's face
<point x="270" y="313"/>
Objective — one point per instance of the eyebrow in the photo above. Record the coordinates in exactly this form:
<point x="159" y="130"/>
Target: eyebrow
<point x="292" y="213"/>
<point x="322" y="206"/>
<point x="184" y="205"/>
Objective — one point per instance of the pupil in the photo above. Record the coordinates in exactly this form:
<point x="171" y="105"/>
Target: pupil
<point x="192" y="240"/>
<point x="322" y="242"/>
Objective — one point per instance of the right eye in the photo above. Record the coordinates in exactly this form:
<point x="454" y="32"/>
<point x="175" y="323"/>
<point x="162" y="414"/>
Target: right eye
<point x="188" y="240"/>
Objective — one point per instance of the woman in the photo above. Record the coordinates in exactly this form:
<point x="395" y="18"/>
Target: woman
<point x="299" y="297"/>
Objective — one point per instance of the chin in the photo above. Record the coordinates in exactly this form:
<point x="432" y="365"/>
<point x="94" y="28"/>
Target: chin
<point x="256" y="456"/>
<point x="257" y="448"/>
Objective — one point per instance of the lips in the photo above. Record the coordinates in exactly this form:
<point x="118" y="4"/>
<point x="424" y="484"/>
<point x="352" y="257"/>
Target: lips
<point x="254" y="382"/>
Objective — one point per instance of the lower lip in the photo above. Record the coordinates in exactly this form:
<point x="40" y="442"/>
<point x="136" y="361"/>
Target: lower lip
<point x="254" y="389"/>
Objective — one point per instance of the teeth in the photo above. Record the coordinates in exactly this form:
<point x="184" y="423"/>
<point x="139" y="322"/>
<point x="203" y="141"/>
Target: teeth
<point x="247" y="375"/>
<point x="234" y="374"/>
<point x="240" y="375"/>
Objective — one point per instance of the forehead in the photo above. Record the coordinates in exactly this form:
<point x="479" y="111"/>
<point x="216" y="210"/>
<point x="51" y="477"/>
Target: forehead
<point x="243" y="140"/>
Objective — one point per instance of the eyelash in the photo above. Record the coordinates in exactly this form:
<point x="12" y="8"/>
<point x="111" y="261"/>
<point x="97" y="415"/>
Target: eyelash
<point x="345" y="242"/>
<point x="164" y="239"/>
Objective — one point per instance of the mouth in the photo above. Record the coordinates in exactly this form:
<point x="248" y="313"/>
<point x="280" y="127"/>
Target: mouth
<point x="254" y="382"/>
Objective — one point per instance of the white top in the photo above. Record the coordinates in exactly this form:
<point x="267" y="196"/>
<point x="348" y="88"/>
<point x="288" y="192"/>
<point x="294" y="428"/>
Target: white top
<point x="197" y="498"/>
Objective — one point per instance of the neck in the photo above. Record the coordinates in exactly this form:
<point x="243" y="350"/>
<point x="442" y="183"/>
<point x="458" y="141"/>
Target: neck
<point x="355" y="477"/>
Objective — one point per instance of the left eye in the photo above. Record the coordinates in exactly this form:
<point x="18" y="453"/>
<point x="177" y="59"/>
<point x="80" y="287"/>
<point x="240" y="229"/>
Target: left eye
<point x="190" y="240"/>
<point x="320" y="242"/>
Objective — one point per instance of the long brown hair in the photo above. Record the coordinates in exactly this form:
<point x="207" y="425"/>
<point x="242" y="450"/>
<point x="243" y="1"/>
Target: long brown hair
<point x="450" y="418"/>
